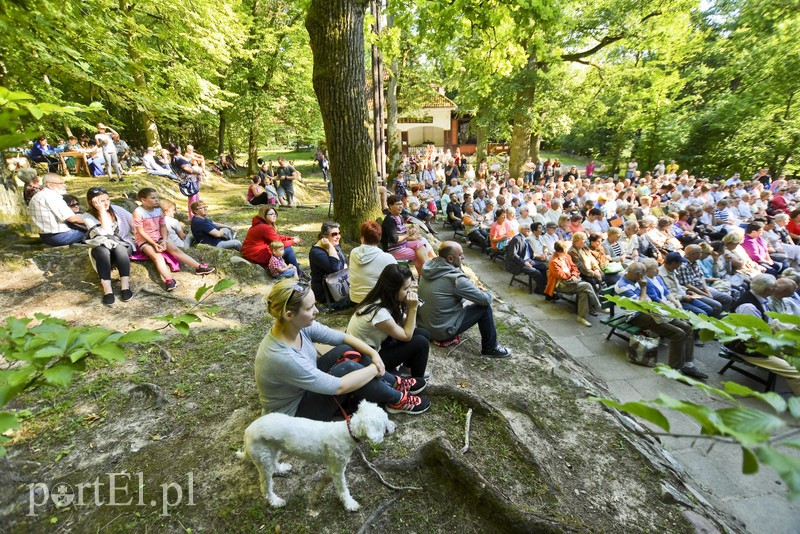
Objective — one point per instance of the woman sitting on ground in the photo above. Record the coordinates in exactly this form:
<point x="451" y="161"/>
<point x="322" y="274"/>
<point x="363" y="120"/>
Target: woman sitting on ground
<point x="255" y="247"/>
<point x="109" y="248"/>
<point x="565" y="277"/>
<point x="387" y="321"/>
<point x="326" y="257"/>
<point x="292" y="380"/>
<point x="257" y="195"/>
<point x="402" y="241"/>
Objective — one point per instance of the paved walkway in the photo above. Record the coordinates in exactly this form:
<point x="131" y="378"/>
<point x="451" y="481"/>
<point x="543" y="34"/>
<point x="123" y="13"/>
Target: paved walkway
<point x="758" y="501"/>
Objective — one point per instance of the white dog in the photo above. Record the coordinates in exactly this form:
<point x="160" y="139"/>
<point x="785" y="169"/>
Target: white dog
<point x="317" y="441"/>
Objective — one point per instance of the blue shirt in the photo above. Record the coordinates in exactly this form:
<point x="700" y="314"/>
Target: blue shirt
<point x="201" y="228"/>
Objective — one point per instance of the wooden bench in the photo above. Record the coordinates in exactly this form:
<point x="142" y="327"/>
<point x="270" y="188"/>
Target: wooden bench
<point x="618" y="325"/>
<point x="520" y="279"/>
<point x="734" y="362"/>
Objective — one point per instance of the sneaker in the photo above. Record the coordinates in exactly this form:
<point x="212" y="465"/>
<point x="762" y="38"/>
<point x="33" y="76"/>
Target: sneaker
<point x="497" y="352"/>
<point x="204" y="269"/>
<point x="447" y="342"/>
<point x="108" y="299"/>
<point x="127" y="295"/>
<point x="171" y="285"/>
<point x="583" y="321"/>
<point x="410" y="404"/>
<point x="410" y="385"/>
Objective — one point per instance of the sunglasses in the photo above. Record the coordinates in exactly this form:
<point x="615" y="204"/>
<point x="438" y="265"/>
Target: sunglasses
<point x="334" y="234"/>
<point x="73" y="204"/>
<point x="97" y="191"/>
<point x="300" y="288"/>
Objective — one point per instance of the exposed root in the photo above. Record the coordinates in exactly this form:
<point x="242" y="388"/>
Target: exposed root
<point x="380" y="476"/>
<point x="375" y="515"/>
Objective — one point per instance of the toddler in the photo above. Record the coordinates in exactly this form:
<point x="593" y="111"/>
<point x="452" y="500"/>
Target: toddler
<point x="277" y="267"/>
<point x="150" y="233"/>
<point x="175" y="230"/>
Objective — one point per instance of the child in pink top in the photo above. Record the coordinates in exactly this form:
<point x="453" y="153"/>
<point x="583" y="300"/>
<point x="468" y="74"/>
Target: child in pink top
<point x="150" y="234"/>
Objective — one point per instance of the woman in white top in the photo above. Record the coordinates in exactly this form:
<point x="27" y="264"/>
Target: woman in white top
<point x="386" y="320"/>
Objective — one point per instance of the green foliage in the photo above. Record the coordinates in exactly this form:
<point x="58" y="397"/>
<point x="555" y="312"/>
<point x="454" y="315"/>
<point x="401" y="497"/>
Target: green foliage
<point x="757" y="431"/>
<point x="46" y="351"/>
<point x="181" y="322"/>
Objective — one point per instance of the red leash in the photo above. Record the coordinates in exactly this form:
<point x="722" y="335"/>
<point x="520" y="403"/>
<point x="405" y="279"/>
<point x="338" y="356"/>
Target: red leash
<point x="356" y="357"/>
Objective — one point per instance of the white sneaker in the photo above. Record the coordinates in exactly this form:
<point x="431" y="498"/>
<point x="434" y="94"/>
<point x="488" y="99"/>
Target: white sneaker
<point x="583" y="321"/>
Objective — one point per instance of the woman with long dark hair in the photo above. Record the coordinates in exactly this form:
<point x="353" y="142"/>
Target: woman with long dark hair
<point x="109" y="248"/>
<point x="386" y="320"/>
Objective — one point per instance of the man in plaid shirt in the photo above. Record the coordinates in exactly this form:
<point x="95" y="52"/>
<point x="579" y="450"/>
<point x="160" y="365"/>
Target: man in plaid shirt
<point x="691" y="277"/>
<point x="50" y="214"/>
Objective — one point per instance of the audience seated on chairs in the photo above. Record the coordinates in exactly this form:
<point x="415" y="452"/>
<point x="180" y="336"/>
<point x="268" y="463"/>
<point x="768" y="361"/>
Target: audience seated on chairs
<point x="564" y="276"/>
<point x="520" y="259"/>
<point x="445" y="289"/>
<point x="757" y="250"/>
<point x="367" y="261"/>
<point x="51" y="214"/>
<point x="634" y="285"/>
<point x="692" y="278"/>
<point x="755" y="302"/>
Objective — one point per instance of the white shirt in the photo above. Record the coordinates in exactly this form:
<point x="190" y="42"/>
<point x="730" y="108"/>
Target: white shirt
<point x="49" y="211"/>
<point x="364" y="327"/>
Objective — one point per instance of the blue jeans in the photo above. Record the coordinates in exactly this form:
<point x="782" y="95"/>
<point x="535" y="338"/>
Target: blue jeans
<point x="290" y="258"/>
<point x="288" y="273"/>
<point x="482" y="315"/>
<point x="62" y="238"/>
<point x="698" y="306"/>
<point x="324" y="408"/>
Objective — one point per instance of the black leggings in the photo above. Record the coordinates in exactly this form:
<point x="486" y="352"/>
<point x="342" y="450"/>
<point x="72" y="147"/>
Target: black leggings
<point x="105" y="257"/>
<point x="412" y="353"/>
<point x="263" y="198"/>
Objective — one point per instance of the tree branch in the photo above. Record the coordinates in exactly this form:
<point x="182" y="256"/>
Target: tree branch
<point x="604" y="42"/>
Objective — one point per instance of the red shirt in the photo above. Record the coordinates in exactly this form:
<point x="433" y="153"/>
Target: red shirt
<point x="793" y="227"/>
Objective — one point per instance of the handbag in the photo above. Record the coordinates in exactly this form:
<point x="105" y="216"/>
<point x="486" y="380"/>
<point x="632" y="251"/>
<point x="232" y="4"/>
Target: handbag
<point x="338" y="284"/>
<point x="188" y="185"/>
<point x="613" y="267"/>
<point x="643" y="350"/>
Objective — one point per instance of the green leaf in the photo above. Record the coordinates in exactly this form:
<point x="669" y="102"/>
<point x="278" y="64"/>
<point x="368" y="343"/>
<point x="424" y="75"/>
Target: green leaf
<point x="8" y="421"/>
<point x="139" y="336"/>
<point x="201" y="291"/>
<point x="48" y="352"/>
<point x="17" y="327"/>
<point x="183" y="328"/>
<point x="747" y="321"/>
<point x="223" y="284"/>
<point x="773" y="399"/>
<point x="638" y="409"/>
<point x="109" y="351"/>
<point x="787" y="467"/>
<point x="186" y="318"/>
<point x="749" y="461"/>
<point x="751" y="421"/>
<point x="35" y="111"/>
<point x="59" y="375"/>
<point x="794" y="406"/>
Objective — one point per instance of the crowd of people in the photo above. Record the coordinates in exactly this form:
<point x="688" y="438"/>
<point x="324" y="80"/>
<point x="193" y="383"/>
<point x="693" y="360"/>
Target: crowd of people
<point x="664" y="236"/>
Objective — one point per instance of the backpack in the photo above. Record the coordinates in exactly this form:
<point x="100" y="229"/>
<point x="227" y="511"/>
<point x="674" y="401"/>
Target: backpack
<point x="189" y="186"/>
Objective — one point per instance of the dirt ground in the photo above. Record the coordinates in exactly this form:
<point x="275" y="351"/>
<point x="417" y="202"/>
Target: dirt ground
<point x="165" y="424"/>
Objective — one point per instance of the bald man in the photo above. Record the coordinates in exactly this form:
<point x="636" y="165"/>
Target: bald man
<point x="444" y="287"/>
<point x="50" y="213"/>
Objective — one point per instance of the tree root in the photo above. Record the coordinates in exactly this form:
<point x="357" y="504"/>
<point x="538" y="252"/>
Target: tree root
<point x="439" y="455"/>
<point x="375" y="515"/>
<point x="150" y="390"/>
<point x="372" y="468"/>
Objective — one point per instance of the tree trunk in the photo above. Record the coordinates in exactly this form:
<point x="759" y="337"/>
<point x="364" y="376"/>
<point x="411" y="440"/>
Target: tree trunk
<point x="520" y="143"/>
<point x="481" y="141"/>
<point x="377" y="93"/>
<point x="336" y="31"/>
<point x="147" y="121"/>
<point x="221" y="132"/>
<point x="392" y="136"/>
<point x="535" y="146"/>
<point x="252" y="148"/>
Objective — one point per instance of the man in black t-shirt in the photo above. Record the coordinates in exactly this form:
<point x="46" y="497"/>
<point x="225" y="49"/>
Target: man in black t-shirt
<point x="286" y="175"/>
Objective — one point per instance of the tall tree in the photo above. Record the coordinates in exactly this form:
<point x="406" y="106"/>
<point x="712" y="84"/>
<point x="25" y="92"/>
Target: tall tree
<point x="336" y="30"/>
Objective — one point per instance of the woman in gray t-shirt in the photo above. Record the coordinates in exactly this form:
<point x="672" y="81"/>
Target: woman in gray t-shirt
<point x="291" y="380"/>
